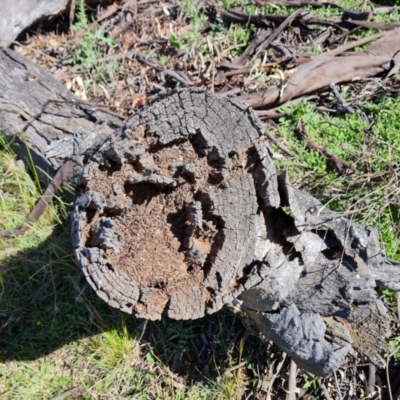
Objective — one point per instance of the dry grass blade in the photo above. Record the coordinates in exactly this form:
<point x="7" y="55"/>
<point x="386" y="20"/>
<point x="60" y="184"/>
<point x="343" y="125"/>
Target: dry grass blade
<point x="387" y="371"/>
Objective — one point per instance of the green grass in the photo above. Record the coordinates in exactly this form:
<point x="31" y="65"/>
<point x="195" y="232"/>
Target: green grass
<point x="186" y="41"/>
<point x="93" y="45"/>
<point x="369" y="191"/>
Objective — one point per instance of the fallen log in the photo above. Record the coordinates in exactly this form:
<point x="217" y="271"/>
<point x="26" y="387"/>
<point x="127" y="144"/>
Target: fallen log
<point x="18" y="15"/>
<point x="37" y="110"/>
<point x="180" y="212"/>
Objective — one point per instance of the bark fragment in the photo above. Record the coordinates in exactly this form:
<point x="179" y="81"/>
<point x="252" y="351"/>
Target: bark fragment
<point x="325" y="69"/>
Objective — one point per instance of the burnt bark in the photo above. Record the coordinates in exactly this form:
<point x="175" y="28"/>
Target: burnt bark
<point x="180" y="211"/>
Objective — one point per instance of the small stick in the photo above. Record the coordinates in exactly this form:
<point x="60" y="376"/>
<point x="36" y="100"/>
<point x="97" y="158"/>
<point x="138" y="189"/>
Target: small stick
<point x="278" y="144"/>
<point x="278" y="370"/>
<point x="348" y="46"/>
<point x="371" y="378"/>
<point x="279" y="30"/>
<point x="338" y="387"/>
<point x="398" y="305"/>
<point x="377" y="10"/>
<point x="59" y="178"/>
<point x="336" y="162"/>
<point x="324" y="390"/>
<point x="387" y="371"/>
<point x="145" y="59"/>
<point x="340" y="98"/>
<point x="72" y="392"/>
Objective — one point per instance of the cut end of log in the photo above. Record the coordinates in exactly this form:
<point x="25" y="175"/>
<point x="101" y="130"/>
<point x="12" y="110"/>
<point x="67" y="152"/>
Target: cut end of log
<point x="166" y="221"/>
<point x="182" y="212"/>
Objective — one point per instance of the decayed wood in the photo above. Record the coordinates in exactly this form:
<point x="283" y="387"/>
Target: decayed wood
<point x="182" y="212"/>
<point x="324" y="286"/>
<point x="212" y="210"/>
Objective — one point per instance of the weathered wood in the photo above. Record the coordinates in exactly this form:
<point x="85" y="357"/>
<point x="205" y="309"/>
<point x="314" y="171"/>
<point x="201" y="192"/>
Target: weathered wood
<point x="181" y="211"/>
<point x="17" y="15"/>
<point x="194" y="148"/>
<point x="318" y="267"/>
<point x="36" y="110"/>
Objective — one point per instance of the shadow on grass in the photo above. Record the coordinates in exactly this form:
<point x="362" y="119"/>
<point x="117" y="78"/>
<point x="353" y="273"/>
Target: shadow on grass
<point x="45" y="303"/>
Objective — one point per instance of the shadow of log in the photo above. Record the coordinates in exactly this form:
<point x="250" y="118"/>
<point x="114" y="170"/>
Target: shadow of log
<point x="46" y="304"/>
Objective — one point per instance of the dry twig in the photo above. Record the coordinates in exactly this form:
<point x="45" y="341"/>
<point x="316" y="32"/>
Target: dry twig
<point x="324" y="390"/>
<point x="323" y="69"/>
<point x="340" y="98"/>
<point x="278" y="370"/>
<point x="387" y="371"/>
<point x="337" y="163"/>
<point x="371" y="378"/>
